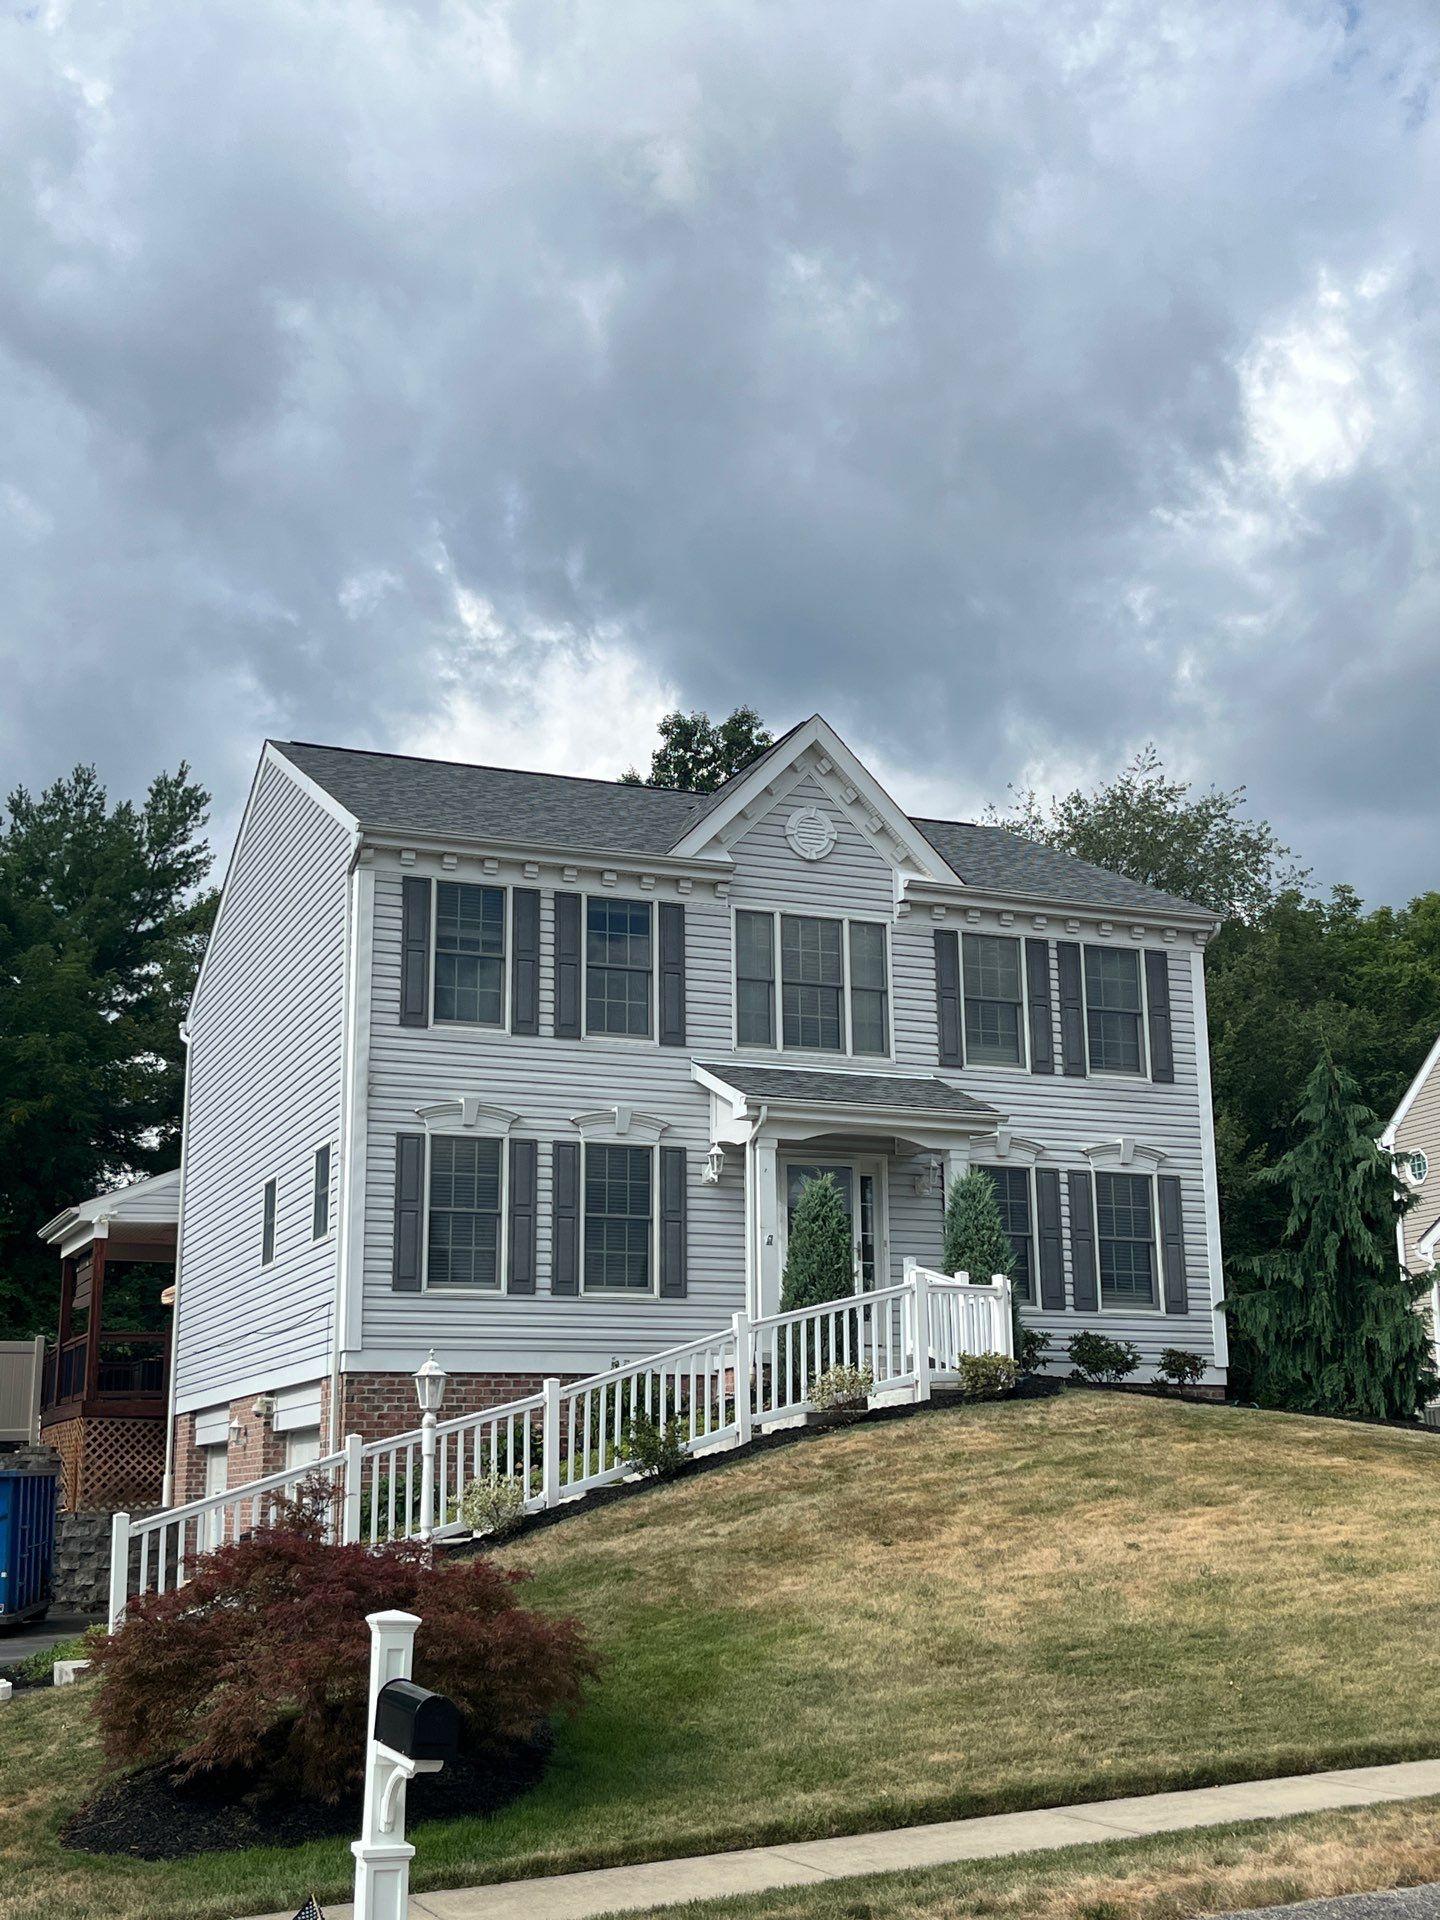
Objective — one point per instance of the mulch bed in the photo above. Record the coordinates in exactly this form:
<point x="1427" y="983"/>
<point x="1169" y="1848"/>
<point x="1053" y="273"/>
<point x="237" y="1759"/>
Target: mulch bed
<point x="151" y="1816"/>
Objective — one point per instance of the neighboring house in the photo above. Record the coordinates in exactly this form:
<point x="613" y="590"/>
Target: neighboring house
<point x="1412" y="1139"/>
<point x="529" y="1069"/>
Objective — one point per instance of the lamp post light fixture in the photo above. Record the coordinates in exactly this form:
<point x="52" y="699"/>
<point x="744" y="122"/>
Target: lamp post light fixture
<point x="430" y="1383"/>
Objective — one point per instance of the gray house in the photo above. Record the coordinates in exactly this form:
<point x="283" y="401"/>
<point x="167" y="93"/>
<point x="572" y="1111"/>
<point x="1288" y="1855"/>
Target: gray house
<point x="529" y="1070"/>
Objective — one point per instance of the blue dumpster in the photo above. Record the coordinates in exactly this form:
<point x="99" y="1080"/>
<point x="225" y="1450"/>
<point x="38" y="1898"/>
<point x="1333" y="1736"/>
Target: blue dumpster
<point x="27" y="1545"/>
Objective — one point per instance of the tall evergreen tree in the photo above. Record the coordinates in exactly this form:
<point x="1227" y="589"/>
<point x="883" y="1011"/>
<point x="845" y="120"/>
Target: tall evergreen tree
<point x="820" y="1260"/>
<point x="974" y="1239"/>
<point x="1330" y="1322"/>
<point x="102" y="923"/>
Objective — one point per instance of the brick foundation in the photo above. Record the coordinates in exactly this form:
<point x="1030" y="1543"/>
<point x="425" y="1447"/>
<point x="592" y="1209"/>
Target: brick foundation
<point x="108" y="1465"/>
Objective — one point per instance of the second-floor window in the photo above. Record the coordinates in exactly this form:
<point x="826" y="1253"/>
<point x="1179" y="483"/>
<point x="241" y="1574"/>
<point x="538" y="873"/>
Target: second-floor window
<point x="618" y="964"/>
<point x="994" y="1029"/>
<point x="834" y="983"/>
<point x="1114" y="1010"/>
<point x="469" y="954"/>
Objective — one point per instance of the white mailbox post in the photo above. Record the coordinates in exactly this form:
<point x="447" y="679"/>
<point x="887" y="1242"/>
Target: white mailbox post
<point x="382" y="1853"/>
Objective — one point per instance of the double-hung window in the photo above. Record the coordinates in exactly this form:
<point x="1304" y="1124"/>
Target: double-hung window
<point x="463" y="1241"/>
<point x="994" y="1028"/>
<point x="1114" y="1010"/>
<point x="1012" y="1192"/>
<point x="618" y="962"/>
<point x="1125" y="1231"/>
<point x="619" y="1214"/>
<point x="834" y="983"/>
<point x="469" y="954"/>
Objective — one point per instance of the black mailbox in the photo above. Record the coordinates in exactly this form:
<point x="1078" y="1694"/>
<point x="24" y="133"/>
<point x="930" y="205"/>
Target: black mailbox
<point x="413" y="1721"/>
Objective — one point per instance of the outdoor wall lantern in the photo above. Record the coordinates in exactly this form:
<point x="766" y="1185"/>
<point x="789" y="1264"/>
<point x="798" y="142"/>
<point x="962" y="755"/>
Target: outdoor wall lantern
<point x="927" y="1181"/>
<point x="714" y="1163"/>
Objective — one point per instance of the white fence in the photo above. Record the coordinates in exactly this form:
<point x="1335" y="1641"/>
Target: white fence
<point x="566" y="1440"/>
<point x="22" y="1369"/>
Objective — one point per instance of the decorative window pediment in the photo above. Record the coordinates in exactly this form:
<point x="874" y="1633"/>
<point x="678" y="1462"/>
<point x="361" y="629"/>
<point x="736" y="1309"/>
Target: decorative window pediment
<point x="1013" y="1148"/>
<point x="468" y="1112"/>
<point x="1124" y="1152"/>
<point x="619" y="1123"/>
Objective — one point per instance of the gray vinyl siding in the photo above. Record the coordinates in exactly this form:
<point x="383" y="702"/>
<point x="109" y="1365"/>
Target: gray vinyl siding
<point x="265" y="1065"/>
<point x="1420" y="1131"/>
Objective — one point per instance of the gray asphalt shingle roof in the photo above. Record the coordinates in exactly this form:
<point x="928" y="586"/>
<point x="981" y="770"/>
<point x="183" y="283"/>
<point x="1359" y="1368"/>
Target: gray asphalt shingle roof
<point x="440" y="797"/>
<point x="915" y="1093"/>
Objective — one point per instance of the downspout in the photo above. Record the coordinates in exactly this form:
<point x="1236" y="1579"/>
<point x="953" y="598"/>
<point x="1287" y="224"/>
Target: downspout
<point x="167" y="1484"/>
<point x="342" y="1185"/>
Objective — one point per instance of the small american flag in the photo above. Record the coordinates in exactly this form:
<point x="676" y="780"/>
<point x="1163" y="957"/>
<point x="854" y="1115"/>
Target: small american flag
<point x="310" y="1910"/>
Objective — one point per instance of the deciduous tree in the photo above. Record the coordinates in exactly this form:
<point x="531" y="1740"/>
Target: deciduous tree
<point x="697" y="754"/>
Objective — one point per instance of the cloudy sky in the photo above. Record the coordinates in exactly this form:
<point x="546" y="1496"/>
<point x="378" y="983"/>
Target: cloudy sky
<point x="1016" y="381"/>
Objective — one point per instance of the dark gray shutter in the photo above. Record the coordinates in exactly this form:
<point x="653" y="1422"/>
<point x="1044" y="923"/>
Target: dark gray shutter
<point x="1052" y="1246"/>
<point x="672" y="974"/>
<point x="525" y="960"/>
<point x="1172" y="1241"/>
<point x="521" y="1277"/>
<point x="565" y="1217"/>
<point x="947" y="998"/>
<point x="567" y="966"/>
<point x="409" y="1211"/>
<point x="414" y="952"/>
<point x="672" y="1223"/>
<point x="1037" y="989"/>
<point x="1157" y="997"/>
<point x="1072" y="1007"/>
<point x="1084" y="1282"/>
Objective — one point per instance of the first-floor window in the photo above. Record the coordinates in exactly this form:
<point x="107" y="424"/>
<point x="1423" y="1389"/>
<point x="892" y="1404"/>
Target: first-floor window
<point x="617" y="1219"/>
<point x="812" y="977"/>
<point x="1125" y="1229"/>
<point x="267" y="1225"/>
<point x="320" y="1207"/>
<point x="464" y="1234"/>
<point x="1012" y="1192"/>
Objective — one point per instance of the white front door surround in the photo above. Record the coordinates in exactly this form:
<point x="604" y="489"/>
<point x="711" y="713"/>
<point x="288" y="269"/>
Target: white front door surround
<point x="861" y="1179"/>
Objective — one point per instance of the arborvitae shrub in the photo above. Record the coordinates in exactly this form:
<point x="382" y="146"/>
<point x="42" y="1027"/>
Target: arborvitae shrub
<point x="820" y="1260"/>
<point x="261" y="1662"/>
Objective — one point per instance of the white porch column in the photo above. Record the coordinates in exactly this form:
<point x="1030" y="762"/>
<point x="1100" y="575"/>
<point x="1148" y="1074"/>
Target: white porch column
<point x="767" y="1213"/>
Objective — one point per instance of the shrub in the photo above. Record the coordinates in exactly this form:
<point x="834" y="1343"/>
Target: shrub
<point x="1031" y="1347"/>
<point x="655" y="1448"/>
<point x="260" y="1663"/>
<point x="987" y="1376"/>
<point x="1096" y="1358"/>
<point x="820" y="1258"/>
<point x="841" y="1389"/>
<point x="494" y="1505"/>
<point x="1180" y="1368"/>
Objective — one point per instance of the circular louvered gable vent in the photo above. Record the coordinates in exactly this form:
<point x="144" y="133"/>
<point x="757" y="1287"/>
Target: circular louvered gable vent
<point x="811" y="833"/>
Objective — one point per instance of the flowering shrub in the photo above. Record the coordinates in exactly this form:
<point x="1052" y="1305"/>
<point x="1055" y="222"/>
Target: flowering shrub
<point x="1180" y="1368"/>
<point x="1096" y="1358"/>
<point x="494" y="1505"/>
<point x="841" y="1389"/>
<point x="261" y="1662"/>
<point x="654" y="1447"/>
<point x="987" y="1376"/>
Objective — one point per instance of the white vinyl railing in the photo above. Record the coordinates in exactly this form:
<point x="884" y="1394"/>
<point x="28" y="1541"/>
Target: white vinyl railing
<point x="568" y="1439"/>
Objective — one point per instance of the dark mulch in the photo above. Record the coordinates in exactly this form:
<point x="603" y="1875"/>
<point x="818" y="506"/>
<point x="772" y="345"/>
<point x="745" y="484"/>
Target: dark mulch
<point x="151" y="1816"/>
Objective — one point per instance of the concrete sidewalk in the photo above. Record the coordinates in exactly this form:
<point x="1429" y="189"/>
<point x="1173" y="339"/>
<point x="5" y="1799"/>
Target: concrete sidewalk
<point x="708" y="1876"/>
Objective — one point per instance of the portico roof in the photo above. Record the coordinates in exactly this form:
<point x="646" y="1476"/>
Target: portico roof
<point x="875" y="1093"/>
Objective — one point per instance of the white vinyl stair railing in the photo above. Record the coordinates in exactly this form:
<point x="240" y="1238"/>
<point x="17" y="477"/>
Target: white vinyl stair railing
<point x="569" y="1438"/>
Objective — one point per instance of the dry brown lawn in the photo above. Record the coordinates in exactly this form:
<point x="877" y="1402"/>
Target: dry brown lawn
<point x="970" y="1611"/>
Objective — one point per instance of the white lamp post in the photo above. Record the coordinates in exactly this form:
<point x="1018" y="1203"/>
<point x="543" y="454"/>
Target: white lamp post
<point x="430" y="1382"/>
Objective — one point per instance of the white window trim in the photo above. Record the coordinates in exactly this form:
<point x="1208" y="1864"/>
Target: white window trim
<point x="992" y="1159"/>
<point x="319" y="1239"/>
<point x="272" y="1182"/>
<point x="846" y="920"/>
<point x="446" y="1290"/>
<point x="649" y="1143"/>
<point x="503" y="887"/>
<point x="1113" y="1073"/>
<point x="1022" y="1065"/>
<point x="1107" y="1164"/>
<point x="611" y="895"/>
<point x="877" y="1166"/>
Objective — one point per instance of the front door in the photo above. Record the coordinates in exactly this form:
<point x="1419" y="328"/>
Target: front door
<point x="861" y="1184"/>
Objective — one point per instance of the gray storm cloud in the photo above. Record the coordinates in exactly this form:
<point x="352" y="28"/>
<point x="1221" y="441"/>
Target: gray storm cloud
<point x="1016" y="383"/>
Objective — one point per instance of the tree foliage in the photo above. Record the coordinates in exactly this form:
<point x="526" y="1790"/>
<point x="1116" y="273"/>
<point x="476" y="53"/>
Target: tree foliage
<point x="820" y="1258"/>
<point x="1200" y="846"/>
<point x="1329" y="1321"/>
<point x="102" y="923"/>
<point x="697" y="754"/>
<point x="974" y="1239"/>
